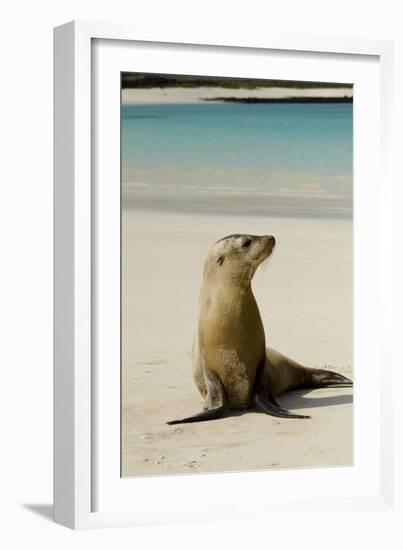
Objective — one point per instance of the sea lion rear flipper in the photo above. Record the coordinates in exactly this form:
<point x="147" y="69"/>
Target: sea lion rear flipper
<point x="215" y="401"/>
<point x="322" y="378"/>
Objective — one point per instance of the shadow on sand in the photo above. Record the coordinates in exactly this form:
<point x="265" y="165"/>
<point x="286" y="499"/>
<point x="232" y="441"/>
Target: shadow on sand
<point x="296" y="399"/>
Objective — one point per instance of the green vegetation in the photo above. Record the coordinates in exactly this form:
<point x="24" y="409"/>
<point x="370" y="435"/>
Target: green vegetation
<point x="154" y="80"/>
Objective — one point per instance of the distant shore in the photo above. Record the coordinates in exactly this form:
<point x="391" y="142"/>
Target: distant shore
<point x="132" y="96"/>
<point x="232" y="99"/>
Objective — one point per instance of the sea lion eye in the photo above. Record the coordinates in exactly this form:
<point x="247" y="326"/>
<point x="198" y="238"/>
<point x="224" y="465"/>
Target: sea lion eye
<point x="247" y="243"/>
<point x="220" y="260"/>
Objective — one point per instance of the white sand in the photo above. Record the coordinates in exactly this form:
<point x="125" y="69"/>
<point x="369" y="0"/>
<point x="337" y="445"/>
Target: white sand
<point x="305" y="298"/>
<point x="194" y="95"/>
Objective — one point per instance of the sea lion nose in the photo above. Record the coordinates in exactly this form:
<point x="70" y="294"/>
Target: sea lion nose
<point x="272" y="240"/>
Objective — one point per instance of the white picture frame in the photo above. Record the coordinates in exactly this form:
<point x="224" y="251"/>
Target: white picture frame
<point x="80" y="477"/>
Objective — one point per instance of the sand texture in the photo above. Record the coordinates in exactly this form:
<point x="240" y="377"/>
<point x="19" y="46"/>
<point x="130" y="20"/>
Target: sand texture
<point x="304" y="294"/>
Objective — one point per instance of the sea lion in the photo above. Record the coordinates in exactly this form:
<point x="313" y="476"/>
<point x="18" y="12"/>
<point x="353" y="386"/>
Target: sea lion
<point x="232" y="368"/>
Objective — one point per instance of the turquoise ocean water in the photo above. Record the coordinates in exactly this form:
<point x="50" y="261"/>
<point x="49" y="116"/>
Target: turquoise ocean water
<point x="254" y="159"/>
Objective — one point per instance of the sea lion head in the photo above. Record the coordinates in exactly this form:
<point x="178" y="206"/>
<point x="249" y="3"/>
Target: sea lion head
<point x="235" y="258"/>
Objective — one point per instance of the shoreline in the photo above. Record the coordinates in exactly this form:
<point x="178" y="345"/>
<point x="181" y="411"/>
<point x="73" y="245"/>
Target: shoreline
<point x="135" y="96"/>
<point x="202" y="215"/>
<point x="235" y="203"/>
<point x="187" y="210"/>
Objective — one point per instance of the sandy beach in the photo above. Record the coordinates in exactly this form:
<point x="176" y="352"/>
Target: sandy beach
<point x="194" y="95"/>
<point x="304" y="294"/>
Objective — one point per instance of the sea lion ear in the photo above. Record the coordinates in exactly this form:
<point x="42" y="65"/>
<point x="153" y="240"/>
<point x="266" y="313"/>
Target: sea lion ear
<point x="220" y="260"/>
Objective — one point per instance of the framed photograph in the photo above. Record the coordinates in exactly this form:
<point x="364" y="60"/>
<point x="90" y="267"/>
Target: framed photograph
<point x="219" y="210"/>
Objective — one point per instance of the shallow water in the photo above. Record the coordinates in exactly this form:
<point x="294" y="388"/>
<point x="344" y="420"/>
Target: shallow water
<point x="260" y="159"/>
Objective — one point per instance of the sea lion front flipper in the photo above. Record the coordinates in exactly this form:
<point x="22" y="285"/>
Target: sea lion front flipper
<point x="208" y="414"/>
<point x="215" y="404"/>
<point x="270" y="407"/>
<point x="265" y="401"/>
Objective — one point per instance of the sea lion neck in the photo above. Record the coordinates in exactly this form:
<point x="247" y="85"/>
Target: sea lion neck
<point x="228" y="282"/>
<point x="225" y="276"/>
